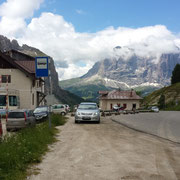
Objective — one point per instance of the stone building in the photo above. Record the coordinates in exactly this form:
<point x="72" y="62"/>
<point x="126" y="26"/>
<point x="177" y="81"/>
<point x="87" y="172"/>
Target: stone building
<point x="127" y="99"/>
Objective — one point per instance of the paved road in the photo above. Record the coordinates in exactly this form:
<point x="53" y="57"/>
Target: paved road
<point x="164" y="124"/>
<point x="108" y="151"/>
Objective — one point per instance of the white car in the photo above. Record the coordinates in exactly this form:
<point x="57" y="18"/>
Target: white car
<point x="155" y="109"/>
<point x="59" y="109"/>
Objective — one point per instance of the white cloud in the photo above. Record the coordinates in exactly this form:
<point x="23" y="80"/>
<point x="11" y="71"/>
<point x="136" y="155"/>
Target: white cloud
<point x="13" y="14"/>
<point x="19" y="8"/>
<point x="72" y="71"/>
<point x="79" y="11"/>
<point x="58" y="38"/>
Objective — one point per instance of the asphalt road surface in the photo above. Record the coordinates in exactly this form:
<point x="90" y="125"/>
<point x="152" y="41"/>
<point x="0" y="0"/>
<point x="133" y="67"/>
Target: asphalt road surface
<point x="165" y="124"/>
<point x="108" y="151"/>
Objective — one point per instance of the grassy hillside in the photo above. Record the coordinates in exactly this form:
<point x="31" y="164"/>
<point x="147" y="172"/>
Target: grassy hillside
<point x="145" y="90"/>
<point x="172" y="97"/>
<point x="88" y="89"/>
<point x="88" y="92"/>
<point x="70" y="82"/>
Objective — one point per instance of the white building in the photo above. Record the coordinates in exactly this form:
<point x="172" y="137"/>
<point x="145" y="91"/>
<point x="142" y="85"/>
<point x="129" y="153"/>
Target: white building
<point x="127" y="99"/>
<point x="19" y="83"/>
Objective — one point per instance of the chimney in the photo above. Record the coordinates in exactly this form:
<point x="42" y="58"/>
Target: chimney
<point x="131" y="93"/>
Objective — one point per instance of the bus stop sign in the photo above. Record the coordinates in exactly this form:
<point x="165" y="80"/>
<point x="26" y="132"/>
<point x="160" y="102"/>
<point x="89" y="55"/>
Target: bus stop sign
<point x="41" y="64"/>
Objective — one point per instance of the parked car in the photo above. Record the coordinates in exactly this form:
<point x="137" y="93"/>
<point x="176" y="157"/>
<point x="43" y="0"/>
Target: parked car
<point x="20" y="118"/>
<point x="41" y="113"/>
<point x="87" y="111"/>
<point x="155" y="109"/>
<point x="1" y="131"/>
<point x="67" y="108"/>
<point x="118" y="108"/>
<point x="2" y="112"/>
<point x="59" y="109"/>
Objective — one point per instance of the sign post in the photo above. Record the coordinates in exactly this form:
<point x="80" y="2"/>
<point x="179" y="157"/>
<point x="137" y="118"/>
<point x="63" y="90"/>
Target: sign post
<point x="42" y="70"/>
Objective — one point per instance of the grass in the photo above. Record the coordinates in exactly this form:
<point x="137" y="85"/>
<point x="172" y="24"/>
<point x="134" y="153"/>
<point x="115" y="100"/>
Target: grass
<point x="26" y="147"/>
<point x="172" y="106"/>
<point x="172" y="94"/>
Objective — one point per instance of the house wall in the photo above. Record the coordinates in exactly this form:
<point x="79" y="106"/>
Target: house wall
<point x="23" y="84"/>
<point x="106" y="104"/>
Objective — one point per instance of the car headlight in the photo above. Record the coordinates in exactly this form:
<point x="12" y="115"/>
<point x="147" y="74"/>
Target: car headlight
<point x="78" y="113"/>
<point x="96" y="113"/>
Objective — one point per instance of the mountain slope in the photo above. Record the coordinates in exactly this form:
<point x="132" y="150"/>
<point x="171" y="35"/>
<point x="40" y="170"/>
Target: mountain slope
<point x="172" y="97"/>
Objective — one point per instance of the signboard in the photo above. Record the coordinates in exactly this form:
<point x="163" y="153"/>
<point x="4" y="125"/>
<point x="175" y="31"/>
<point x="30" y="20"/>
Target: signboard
<point x="41" y="66"/>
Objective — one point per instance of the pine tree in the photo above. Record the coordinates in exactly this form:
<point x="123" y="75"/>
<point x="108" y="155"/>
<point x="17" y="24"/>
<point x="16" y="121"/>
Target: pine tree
<point x="161" y="102"/>
<point x="176" y="74"/>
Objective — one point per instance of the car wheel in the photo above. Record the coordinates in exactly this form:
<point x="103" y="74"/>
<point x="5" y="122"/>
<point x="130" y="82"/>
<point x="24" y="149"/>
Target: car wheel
<point x="98" y="122"/>
<point x="63" y="113"/>
<point x="76" y="121"/>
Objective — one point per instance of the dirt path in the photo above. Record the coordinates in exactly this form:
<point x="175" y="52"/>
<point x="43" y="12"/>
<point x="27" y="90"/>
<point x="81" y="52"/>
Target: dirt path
<point x="108" y="151"/>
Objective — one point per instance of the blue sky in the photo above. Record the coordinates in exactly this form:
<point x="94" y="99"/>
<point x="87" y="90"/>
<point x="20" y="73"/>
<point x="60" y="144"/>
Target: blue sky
<point x="95" y="15"/>
<point x="78" y="33"/>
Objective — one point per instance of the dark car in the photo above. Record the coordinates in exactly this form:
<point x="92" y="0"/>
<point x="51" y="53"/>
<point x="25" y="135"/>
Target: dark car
<point x="41" y="113"/>
<point x="20" y="118"/>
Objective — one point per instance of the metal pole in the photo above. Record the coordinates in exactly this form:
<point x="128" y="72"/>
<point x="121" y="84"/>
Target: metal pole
<point x="49" y="116"/>
<point x="6" y="97"/>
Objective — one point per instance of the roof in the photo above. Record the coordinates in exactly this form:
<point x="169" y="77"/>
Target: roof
<point x="117" y="94"/>
<point x="29" y="66"/>
<point x="103" y="92"/>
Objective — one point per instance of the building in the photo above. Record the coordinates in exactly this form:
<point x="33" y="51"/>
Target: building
<point x="127" y="99"/>
<point x="19" y="87"/>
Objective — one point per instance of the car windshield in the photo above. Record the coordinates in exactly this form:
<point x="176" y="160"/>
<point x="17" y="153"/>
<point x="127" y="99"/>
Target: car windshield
<point x="16" y="115"/>
<point x="87" y="106"/>
<point x="40" y="109"/>
<point x="154" y="107"/>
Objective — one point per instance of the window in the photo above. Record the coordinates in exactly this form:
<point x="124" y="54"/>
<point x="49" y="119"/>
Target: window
<point x="2" y="100"/>
<point x="134" y="106"/>
<point x="16" y="115"/>
<point x="111" y="106"/>
<point x="124" y="105"/>
<point x="6" y="79"/>
<point x="12" y="100"/>
<point x="33" y="99"/>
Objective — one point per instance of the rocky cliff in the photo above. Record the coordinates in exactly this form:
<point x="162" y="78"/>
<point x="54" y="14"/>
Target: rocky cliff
<point x="59" y="94"/>
<point x="136" y="71"/>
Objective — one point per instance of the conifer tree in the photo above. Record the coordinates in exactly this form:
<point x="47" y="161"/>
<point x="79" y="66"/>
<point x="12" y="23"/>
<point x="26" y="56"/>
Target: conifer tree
<point x="161" y="102"/>
<point x="175" y="78"/>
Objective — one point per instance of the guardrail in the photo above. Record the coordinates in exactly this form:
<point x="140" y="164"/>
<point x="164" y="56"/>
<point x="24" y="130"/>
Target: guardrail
<point x="110" y="112"/>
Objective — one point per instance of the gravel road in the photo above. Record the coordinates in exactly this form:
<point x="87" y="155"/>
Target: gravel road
<point x="108" y="151"/>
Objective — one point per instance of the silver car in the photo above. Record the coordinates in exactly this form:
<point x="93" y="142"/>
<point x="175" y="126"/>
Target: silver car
<point x="87" y="111"/>
<point x="20" y="118"/>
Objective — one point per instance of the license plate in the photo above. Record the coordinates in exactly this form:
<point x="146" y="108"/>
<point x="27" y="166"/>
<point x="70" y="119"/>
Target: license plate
<point x="86" y="118"/>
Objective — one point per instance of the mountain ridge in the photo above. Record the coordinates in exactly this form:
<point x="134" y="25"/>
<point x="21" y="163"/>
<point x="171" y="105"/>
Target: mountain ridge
<point x="134" y="73"/>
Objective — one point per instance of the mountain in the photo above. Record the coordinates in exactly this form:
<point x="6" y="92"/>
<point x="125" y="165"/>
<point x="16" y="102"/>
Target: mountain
<point x="59" y="95"/>
<point x="144" y="74"/>
<point x="172" y="97"/>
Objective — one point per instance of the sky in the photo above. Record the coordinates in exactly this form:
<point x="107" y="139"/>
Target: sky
<point x="78" y="33"/>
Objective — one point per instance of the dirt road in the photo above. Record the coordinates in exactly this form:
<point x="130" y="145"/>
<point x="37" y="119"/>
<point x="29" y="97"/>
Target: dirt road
<point x="108" y="151"/>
